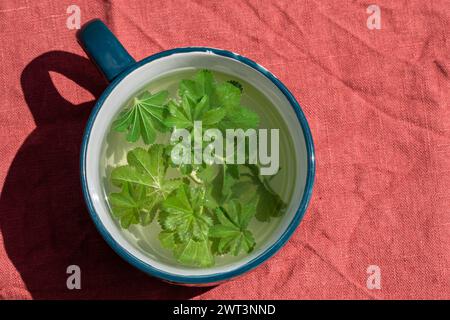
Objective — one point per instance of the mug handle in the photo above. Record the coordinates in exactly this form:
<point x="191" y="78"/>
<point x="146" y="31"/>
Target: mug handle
<point x="104" y="49"/>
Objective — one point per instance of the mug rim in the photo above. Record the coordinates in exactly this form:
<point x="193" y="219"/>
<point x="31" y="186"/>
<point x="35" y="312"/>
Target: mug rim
<point x="266" y="254"/>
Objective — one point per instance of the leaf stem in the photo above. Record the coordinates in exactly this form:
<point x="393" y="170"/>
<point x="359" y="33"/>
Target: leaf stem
<point x="193" y="177"/>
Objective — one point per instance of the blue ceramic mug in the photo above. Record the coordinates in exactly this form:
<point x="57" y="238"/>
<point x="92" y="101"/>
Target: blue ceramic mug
<point x="127" y="77"/>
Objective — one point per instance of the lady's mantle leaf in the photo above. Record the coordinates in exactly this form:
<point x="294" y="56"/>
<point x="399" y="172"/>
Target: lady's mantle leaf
<point x="232" y="228"/>
<point x="143" y="118"/>
<point x="167" y="239"/>
<point x="184" y="114"/>
<point x="203" y="84"/>
<point x="147" y="169"/>
<point x="185" y="226"/>
<point x="228" y="97"/>
<point x="190" y="252"/>
<point x="220" y="185"/>
<point x="184" y="214"/>
<point x="143" y="184"/>
<point x="195" y="253"/>
<point x="132" y="206"/>
<point x="270" y="203"/>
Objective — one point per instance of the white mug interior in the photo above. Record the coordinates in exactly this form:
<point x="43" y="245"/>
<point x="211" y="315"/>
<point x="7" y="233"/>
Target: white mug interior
<point x="133" y="83"/>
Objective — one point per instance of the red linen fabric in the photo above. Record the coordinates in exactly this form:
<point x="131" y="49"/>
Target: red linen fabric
<point x="377" y="101"/>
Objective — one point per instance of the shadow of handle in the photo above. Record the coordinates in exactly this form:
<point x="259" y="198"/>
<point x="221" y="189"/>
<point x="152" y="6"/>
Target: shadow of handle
<point x="42" y="97"/>
<point x="104" y="49"/>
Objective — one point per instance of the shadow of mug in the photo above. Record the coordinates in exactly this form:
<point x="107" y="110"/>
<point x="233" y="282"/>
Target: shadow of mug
<point x="43" y="219"/>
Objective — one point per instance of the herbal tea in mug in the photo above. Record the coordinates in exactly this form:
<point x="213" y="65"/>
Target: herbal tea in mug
<point x="198" y="168"/>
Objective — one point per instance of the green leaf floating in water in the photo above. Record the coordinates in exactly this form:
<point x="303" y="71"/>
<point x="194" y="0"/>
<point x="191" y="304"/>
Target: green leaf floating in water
<point x="202" y="84"/>
<point x="132" y="206"/>
<point x="186" y="225"/>
<point x="191" y="252"/>
<point x="270" y="205"/>
<point x="184" y="214"/>
<point x="195" y="253"/>
<point x="184" y="114"/>
<point x="228" y="97"/>
<point x="195" y="103"/>
<point x="232" y="231"/>
<point x="143" y="184"/>
<point x="144" y="118"/>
